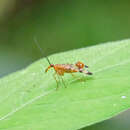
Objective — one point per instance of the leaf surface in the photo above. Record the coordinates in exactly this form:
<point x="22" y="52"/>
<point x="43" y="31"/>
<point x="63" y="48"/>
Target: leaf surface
<point x="29" y="100"/>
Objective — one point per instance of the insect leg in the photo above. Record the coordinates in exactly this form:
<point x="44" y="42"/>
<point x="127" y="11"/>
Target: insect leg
<point x="63" y="82"/>
<point x="72" y="74"/>
<point x="60" y="74"/>
<point x="54" y="75"/>
<point x="76" y="77"/>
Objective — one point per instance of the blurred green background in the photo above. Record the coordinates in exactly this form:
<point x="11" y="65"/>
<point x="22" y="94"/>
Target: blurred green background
<point x="60" y="25"/>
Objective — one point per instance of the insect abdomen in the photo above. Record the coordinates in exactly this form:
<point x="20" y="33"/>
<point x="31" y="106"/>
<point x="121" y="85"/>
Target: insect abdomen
<point x="68" y="68"/>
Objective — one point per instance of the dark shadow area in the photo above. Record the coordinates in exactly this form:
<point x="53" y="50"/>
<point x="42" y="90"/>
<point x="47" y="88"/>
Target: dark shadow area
<point x="120" y="122"/>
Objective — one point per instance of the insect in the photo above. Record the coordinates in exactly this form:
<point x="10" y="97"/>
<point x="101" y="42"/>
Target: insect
<point x="61" y="69"/>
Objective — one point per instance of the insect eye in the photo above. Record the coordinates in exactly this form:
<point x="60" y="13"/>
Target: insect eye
<point x="52" y="65"/>
<point x="86" y="66"/>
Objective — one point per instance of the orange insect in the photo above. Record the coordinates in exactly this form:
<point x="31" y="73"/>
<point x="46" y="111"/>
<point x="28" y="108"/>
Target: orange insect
<point x="60" y="69"/>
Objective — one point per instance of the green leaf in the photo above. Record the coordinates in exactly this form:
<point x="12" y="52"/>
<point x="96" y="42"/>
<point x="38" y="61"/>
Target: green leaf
<point x="29" y="100"/>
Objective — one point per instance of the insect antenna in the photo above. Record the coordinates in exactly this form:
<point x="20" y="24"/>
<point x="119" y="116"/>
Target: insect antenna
<point x="38" y="46"/>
